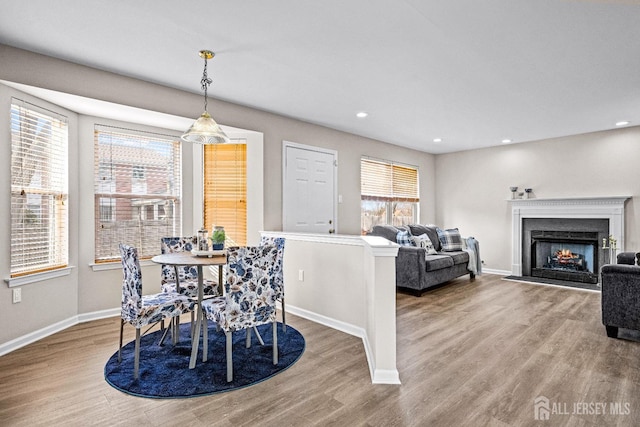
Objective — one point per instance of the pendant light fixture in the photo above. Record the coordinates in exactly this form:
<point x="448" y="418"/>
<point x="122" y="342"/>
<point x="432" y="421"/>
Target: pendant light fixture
<point x="205" y="130"/>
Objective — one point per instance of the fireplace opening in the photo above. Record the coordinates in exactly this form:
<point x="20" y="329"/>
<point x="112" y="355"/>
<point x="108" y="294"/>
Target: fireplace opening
<point x="565" y="255"/>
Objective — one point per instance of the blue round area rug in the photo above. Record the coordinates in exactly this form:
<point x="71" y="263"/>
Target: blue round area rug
<point x="164" y="370"/>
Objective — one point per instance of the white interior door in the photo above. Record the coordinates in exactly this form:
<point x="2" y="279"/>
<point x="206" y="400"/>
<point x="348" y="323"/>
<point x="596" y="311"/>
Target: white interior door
<point x="309" y="189"/>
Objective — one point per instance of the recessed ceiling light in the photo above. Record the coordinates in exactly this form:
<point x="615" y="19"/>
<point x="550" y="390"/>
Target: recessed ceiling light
<point x="362" y="114"/>
<point x="622" y="123"/>
<point x="506" y="141"/>
<point x="437" y="139"/>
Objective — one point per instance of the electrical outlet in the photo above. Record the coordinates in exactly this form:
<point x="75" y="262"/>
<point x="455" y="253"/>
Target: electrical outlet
<point x="301" y="275"/>
<point x="17" y="295"/>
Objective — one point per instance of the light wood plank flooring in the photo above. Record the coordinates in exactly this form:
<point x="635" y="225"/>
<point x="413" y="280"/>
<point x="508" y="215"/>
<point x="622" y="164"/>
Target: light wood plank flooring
<point x="471" y="353"/>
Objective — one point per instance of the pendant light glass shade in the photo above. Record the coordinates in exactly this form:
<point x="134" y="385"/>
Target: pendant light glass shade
<point x="205" y="130"/>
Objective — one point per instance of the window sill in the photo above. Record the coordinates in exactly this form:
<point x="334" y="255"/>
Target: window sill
<point x="117" y="265"/>
<point x="37" y="277"/>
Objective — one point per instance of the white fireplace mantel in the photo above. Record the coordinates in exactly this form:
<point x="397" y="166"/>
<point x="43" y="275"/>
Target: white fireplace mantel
<point x="611" y="208"/>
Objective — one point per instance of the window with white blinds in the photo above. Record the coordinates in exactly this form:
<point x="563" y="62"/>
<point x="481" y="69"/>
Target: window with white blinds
<point x="39" y="189"/>
<point x="389" y="193"/>
<point x="225" y="189"/>
<point x="137" y="187"/>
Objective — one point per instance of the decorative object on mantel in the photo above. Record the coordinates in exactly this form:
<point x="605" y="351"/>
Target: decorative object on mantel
<point x="513" y="192"/>
<point x="527" y="193"/>
<point x="205" y="130"/>
<point x="613" y="247"/>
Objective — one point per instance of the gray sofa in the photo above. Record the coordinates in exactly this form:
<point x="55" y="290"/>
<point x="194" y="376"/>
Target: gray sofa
<point x="621" y="294"/>
<point x="415" y="270"/>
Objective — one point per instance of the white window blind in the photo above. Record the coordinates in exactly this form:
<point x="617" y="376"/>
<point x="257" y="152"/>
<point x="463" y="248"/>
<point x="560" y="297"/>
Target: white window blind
<point x="39" y="189"/>
<point x="384" y="181"/>
<point x="225" y="189"/>
<point x="389" y="194"/>
<point x="137" y="190"/>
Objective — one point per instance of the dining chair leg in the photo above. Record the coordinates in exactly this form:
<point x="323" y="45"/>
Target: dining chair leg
<point x="166" y="331"/>
<point x="175" y="332"/>
<point x="136" y="357"/>
<point x="284" y="323"/>
<point x="205" y="338"/>
<point x="275" y="342"/>
<point x="193" y="322"/>
<point x="120" y="348"/>
<point x="248" y="340"/>
<point x="229" y="356"/>
<point x="255" y="329"/>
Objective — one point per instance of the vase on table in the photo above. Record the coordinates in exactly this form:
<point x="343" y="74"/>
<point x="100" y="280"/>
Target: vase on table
<point x="203" y="239"/>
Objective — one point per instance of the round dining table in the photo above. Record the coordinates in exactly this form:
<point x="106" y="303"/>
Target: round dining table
<point x="187" y="258"/>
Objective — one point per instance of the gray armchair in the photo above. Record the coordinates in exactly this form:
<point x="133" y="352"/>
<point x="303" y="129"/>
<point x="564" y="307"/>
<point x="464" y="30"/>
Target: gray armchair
<point x="621" y="295"/>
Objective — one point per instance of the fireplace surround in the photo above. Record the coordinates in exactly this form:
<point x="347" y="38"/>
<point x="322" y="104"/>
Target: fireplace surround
<point x="564" y="248"/>
<point x="603" y="216"/>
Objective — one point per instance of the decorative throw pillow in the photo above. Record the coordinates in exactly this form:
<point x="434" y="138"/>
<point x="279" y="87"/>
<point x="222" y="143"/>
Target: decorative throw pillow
<point x="450" y="239"/>
<point x="423" y="241"/>
<point x="404" y="238"/>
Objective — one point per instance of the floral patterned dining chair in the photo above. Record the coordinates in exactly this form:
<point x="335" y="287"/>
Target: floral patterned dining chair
<point x="141" y="310"/>
<point x="278" y="272"/>
<point x="249" y="300"/>
<point x="187" y="274"/>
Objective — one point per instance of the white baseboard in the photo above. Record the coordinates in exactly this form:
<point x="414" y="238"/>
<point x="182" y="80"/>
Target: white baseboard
<point x="378" y="376"/>
<point x="96" y="315"/>
<point x="34" y="336"/>
<point x="347" y="328"/>
<point x="498" y="272"/>
<point x="386" y="376"/>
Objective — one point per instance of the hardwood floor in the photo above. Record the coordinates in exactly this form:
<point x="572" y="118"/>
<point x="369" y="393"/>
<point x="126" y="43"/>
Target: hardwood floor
<point x="469" y="353"/>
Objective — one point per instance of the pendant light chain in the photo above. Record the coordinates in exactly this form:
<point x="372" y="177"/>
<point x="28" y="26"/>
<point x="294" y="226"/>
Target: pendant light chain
<point x="205" y="82"/>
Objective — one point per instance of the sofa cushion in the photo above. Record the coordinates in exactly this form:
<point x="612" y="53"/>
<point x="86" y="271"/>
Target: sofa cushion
<point x="423" y="241"/>
<point x="438" y="262"/>
<point x="389" y="232"/>
<point x="417" y="230"/>
<point x="460" y="257"/>
<point x="626" y="258"/>
<point x="403" y="238"/>
<point x="450" y="239"/>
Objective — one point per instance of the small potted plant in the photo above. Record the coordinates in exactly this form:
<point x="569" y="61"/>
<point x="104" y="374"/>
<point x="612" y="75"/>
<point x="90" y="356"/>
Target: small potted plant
<point x="217" y="238"/>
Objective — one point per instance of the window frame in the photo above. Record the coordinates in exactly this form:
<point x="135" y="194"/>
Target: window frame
<point x="46" y="156"/>
<point x="390" y="191"/>
<point x="139" y="204"/>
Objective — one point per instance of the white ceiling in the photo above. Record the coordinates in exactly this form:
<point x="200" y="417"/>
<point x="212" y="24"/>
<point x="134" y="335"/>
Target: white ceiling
<point x="470" y="72"/>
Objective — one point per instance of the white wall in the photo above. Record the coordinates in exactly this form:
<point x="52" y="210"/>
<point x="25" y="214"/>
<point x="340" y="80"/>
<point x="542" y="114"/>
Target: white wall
<point x="472" y="187"/>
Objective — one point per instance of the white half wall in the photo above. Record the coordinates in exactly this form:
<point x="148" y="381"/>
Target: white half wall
<point x="346" y="283"/>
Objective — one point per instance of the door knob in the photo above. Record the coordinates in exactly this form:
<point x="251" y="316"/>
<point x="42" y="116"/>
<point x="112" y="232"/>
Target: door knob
<point x="331" y="231"/>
